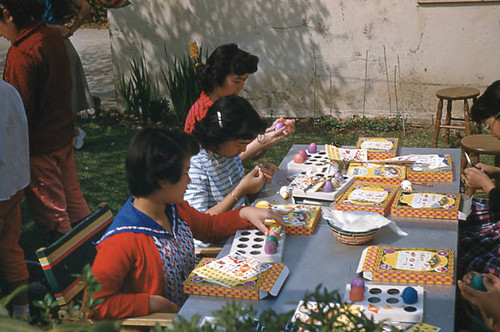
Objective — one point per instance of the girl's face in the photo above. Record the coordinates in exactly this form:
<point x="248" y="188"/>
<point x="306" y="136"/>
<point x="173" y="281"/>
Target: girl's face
<point x="233" y="148"/>
<point x="492" y="124"/>
<point x="8" y="29"/>
<point x="174" y="192"/>
<point x="232" y="85"/>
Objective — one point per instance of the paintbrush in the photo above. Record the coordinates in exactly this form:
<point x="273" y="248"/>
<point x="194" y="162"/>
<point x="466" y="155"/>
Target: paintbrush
<point x="469" y="161"/>
<point x="423" y="184"/>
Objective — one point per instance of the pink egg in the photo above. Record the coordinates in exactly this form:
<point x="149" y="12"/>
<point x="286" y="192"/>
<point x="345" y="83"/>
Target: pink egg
<point x="278" y="126"/>
<point x="356" y="294"/>
<point x="328" y="187"/>
<point x="298" y="158"/>
<point x="303" y="153"/>
<point x="312" y="148"/>
<point x="271" y="248"/>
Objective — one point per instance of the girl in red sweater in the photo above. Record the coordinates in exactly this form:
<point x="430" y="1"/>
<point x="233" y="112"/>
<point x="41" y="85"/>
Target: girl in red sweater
<point x="147" y="253"/>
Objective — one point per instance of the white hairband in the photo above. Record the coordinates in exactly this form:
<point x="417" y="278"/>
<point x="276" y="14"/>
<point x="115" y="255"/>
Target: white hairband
<point x="219" y="116"/>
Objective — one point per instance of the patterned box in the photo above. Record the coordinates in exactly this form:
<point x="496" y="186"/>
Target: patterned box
<point x="418" y="173"/>
<point x="426" y="205"/>
<point x="365" y="196"/>
<point x="377" y="173"/>
<point x="378" y="147"/>
<point x="256" y="288"/>
<point x="299" y="219"/>
<point x="408" y="265"/>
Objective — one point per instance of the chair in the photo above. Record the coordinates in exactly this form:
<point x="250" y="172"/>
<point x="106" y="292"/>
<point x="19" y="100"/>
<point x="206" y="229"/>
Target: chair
<point x="451" y="94"/>
<point x="476" y="145"/>
<point x="68" y="256"/>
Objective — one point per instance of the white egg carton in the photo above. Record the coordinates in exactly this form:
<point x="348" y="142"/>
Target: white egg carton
<point x="315" y="192"/>
<point x="251" y="242"/>
<point x="385" y="302"/>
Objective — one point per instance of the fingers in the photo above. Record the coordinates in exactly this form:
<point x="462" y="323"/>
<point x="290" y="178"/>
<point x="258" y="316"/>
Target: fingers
<point x="467" y="278"/>
<point x="467" y="292"/>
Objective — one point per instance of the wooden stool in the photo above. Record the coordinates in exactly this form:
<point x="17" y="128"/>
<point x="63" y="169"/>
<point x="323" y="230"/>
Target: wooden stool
<point x="475" y="145"/>
<point x="450" y="94"/>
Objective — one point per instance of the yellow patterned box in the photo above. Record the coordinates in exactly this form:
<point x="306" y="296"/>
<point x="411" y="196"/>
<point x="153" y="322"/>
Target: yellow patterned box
<point x="426" y="205"/>
<point x="299" y="219"/>
<point x="377" y="173"/>
<point x="256" y="288"/>
<point x="417" y="172"/>
<point x="378" y="147"/>
<point x="365" y="196"/>
<point x="408" y="265"/>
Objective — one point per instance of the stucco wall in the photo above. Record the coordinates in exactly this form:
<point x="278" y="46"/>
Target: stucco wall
<point x="413" y="50"/>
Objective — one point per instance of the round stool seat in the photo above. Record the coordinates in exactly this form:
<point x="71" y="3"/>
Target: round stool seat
<point x="481" y="144"/>
<point x="457" y="93"/>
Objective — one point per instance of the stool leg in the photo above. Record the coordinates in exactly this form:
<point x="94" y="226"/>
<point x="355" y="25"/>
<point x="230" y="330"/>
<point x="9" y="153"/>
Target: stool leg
<point x="478" y="125"/>
<point x="448" y="122"/>
<point x="437" y="125"/>
<point x="463" y="163"/>
<point x="468" y="130"/>
<point x="497" y="164"/>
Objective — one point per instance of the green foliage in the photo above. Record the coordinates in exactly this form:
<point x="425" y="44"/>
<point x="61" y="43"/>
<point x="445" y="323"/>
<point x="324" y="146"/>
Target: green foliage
<point x="380" y="124"/>
<point x="99" y="14"/>
<point x="180" y="79"/>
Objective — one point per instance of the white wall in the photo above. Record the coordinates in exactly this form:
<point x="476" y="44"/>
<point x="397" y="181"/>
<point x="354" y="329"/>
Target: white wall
<point x="427" y="47"/>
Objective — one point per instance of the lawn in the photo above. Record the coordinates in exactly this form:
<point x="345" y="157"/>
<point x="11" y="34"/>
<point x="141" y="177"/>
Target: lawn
<point x="100" y="163"/>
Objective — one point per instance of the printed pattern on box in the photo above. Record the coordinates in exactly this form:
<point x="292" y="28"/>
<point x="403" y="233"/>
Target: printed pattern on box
<point x="378" y="148"/>
<point x="299" y="219"/>
<point x="377" y="173"/>
<point x="426" y="205"/>
<point x="255" y="288"/>
<point x="436" y="176"/>
<point x="363" y="196"/>
<point x="415" y="265"/>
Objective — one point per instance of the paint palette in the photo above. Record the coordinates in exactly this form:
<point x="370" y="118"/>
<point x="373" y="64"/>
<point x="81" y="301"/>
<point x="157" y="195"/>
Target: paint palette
<point x="251" y="242"/>
<point x="313" y="159"/>
<point x="386" y="302"/>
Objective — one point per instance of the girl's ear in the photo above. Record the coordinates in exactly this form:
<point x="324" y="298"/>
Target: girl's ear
<point x="6" y="15"/>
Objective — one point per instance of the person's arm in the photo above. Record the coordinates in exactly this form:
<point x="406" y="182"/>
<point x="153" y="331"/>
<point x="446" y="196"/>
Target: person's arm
<point x="84" y="9"/>
<point x="209" y="228"/>
<point x="266" y="141"/>
<point x="115" y="260"/>
<point x="478" y="179"/>
<point x="492" y="171"/>
<point x="488" y="302"/>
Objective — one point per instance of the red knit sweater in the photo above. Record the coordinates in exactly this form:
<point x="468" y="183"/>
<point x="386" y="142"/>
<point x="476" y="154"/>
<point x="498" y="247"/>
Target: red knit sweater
<point x="129" y="265"/>
<point x="197" y="112"/>
<point x="37" y="65"/>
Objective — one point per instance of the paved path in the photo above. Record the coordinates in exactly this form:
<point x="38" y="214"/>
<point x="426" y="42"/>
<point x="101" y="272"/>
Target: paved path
<point x="95" y="52"/>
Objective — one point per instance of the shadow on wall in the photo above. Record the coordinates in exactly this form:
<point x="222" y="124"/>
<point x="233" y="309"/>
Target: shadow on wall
<point x="284" y="31"/>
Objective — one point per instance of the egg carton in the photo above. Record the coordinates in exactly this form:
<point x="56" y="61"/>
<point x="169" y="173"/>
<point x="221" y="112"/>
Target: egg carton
<point x="315" y="192"/>
<point x="251" y="242"/>
<point x="385" y="302"/>
<point x="317" y="159"/>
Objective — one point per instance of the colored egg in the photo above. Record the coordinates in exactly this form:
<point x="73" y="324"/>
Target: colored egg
<point x="303" y="153"/>
<point x="312" y="148"/>
<point x="335" y="183"/>
<point x="272" y="232"/>
<point x="357" y="282"/>
<point x="272" y="238"/>
<point x="298" y="158"/>
<point x="406" y="185"/>
<point x="410" y="295"/>
<point x="278" y="126"/>
<point x="356" y="294"/>
<point x="339" y="177"/>
<point x="328" y="187"/>
<point x="477" y="282"/>
<point x="263" y="204"/>
<point x="270" y="248"/>
<point x="284" y="192"/>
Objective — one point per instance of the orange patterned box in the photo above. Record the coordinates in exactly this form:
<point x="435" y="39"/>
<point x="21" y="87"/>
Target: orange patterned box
<point x="377" y="173"/>
<point x="378" y="148"/>
<point x="408" y="265"/>
<point x="299" y="219"/>
<point x="418" y="173"/>
<point x="365" y="196"/>
<point x="426" y="205"/>
<point x="256" y="288"/>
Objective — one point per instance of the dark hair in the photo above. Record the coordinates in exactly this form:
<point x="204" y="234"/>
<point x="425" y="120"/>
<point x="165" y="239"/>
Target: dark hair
<point x="157" y="154"/>
<point x="23" y="11"/>
<point x="225" y="60"/>
<point x="488" y="104"/>
<point x="238" y="120"/>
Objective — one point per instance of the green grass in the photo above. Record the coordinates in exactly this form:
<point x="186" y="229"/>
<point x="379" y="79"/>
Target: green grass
<point x="100" y="163"/>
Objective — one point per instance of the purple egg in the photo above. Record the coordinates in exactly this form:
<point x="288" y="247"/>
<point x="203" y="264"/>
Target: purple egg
<point x="328" y="187"/>
<point x="338" y="176"/>
<point x="312" y="148"/>
<point x="303" y="153"/>
<point x="357" y="282"/>
<point x="270" y="248"/>
<point x="278" y="126"/>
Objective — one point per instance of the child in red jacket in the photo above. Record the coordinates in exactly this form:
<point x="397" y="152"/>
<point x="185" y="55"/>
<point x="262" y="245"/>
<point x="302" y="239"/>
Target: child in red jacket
<point x="148" y="251"/>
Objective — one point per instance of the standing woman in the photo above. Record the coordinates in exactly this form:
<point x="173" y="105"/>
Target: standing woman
<point x="224" y="74"/>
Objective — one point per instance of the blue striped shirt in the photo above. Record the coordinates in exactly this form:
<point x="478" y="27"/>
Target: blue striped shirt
<point x="213" y="177"/>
